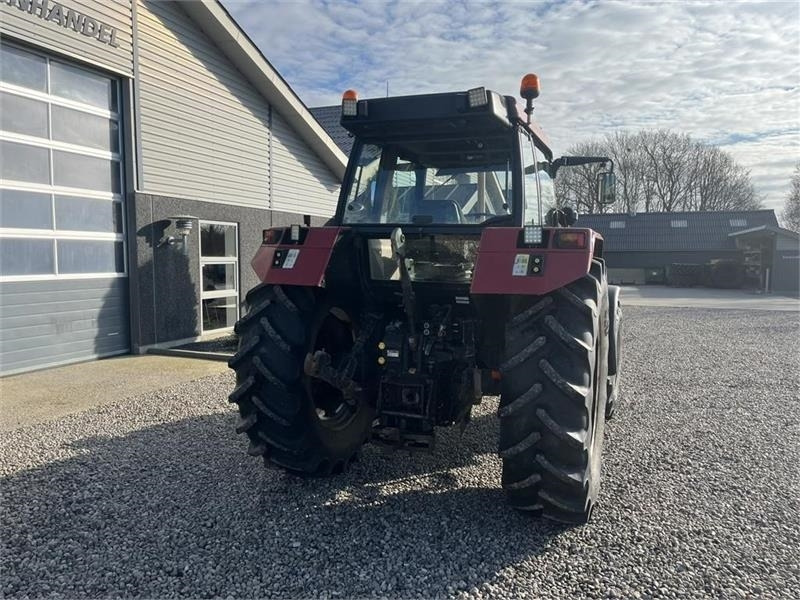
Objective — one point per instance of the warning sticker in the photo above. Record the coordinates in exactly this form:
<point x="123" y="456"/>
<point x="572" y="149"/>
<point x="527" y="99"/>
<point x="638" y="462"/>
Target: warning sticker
<point x="520" y="265"/>
<point x="291" y="258"/>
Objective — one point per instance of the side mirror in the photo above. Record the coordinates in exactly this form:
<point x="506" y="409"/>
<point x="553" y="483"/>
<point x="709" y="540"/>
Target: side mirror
<point x="606" y="182"/>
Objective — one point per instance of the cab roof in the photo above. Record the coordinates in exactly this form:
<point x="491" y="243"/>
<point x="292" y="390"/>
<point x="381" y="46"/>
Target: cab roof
<point x="439" y="117"/>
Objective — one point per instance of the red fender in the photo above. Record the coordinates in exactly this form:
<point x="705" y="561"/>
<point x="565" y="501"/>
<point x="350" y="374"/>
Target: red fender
<point x="498" y="252"/>
<point x="297" y="264"/>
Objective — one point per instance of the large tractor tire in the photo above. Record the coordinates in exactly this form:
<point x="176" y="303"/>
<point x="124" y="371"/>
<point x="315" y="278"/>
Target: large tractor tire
<point x="294" y="421"/>
<point x="552" y="403"/>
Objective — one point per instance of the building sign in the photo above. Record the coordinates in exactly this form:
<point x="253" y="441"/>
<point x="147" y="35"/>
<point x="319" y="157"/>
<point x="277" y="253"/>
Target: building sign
<point x="68" y="18"/>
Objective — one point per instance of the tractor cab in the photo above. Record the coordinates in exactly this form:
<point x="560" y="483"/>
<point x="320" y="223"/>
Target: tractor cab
<point x="444" y="168"/>
<point x="461" y="160"/>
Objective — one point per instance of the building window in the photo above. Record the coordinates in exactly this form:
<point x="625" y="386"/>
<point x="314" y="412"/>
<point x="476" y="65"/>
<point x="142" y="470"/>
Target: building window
<point x="60" y="170"/>
<point x="617" y="225"/>
<point x="678" y="223"/>
<point x="219" y="266"/>
<point x="738" y="222"/>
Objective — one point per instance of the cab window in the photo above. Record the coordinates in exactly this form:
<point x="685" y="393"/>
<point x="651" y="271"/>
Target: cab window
<point x="408" y="184"/>
<point x="547" y="190"/>
<point x="531" y="214"/>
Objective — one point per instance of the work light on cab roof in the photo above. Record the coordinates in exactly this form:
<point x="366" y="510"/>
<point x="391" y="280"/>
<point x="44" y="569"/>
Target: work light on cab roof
<point x="350" y="103"/>
<point x="477" y="97"/>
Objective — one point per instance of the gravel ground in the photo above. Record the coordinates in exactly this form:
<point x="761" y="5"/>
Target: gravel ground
<point x="156" y="497"/>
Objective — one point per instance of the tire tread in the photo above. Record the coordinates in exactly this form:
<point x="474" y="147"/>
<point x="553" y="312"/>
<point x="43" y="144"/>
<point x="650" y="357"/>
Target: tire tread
<point x="275" y="412"/>
<point x="546" y="405"/>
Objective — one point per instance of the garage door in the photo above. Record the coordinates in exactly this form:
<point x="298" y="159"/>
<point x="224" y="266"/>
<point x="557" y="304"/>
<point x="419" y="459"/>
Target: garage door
<point x="63" y="279"/>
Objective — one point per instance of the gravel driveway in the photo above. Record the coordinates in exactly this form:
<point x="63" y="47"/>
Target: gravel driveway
<point x="156" y="497"/>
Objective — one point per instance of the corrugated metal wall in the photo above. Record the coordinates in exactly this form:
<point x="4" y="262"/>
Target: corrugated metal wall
<point x="44" y="323"/>
<point x="205" y="129"/>
<point x="301" y="182"/>
<point x="50" y="34"/>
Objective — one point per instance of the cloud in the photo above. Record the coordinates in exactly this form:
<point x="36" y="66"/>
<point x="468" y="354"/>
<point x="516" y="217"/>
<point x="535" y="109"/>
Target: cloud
<point x="726" y="73"/>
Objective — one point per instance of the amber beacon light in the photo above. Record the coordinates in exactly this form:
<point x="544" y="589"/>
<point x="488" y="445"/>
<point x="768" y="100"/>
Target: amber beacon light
<point x="350" y="103"/>
<point x="529" y="87"/>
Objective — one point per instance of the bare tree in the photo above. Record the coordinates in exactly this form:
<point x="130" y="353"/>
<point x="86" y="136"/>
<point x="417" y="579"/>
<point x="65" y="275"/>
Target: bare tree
<point x="659" y="171"/>
<point x="623" y="149"/>
<point x="669" y="157"/>
<point x="720" y="184"/>
<point x="791" y="208"/>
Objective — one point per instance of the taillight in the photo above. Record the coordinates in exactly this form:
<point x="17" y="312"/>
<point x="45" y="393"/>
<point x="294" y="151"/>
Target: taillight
<point x="273" y="235"/>
<point x="570" y="239"/>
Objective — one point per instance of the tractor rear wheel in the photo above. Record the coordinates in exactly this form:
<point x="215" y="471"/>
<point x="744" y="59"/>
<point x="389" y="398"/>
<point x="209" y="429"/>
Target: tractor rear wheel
<point x="297" y="422"/>
<point x="552" y="403"/>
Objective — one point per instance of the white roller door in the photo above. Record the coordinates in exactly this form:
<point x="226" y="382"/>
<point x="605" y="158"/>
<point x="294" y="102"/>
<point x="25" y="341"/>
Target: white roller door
<point x="63" y="277"/>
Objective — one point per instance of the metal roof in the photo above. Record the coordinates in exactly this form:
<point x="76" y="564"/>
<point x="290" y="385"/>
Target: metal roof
<point x="766" y="229"/>
<point x="329" y="117"/>
<point x="675" y="231"/>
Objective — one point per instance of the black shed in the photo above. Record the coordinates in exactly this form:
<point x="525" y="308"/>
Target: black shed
<point x="641" y="247"/>
<point x="779" y="249"/>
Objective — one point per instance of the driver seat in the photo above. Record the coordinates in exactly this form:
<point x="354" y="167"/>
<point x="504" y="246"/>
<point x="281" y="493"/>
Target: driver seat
<point x="443" y="211"/>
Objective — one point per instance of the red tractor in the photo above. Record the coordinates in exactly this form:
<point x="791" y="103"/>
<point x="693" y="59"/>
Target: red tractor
<point x="448" y="273"/>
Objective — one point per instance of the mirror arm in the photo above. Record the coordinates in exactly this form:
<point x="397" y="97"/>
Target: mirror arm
<point x="574" y="161"/>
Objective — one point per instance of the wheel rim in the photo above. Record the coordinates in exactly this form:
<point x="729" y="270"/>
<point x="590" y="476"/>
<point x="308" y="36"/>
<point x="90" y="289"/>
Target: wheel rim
<point x="335" y="336"/>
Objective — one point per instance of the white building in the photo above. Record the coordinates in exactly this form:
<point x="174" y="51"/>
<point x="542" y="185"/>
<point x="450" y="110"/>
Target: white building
<point x="117" y="117"/>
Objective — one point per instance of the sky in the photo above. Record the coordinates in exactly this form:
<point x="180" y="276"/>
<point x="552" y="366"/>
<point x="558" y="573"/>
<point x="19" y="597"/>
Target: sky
<point x="727" y="73"/>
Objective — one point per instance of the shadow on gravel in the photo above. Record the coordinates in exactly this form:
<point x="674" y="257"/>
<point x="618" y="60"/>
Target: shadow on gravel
<point x="179" y="509"/>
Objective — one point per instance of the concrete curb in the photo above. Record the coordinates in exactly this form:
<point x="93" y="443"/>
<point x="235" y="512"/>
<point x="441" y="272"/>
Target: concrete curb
<point x="220" y="356"/>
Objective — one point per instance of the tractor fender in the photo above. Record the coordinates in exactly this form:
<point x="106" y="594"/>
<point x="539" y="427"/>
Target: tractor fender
<point x="614" y="319"/>
<point x="303" y="263"/>
<point x="504" y="267"/>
